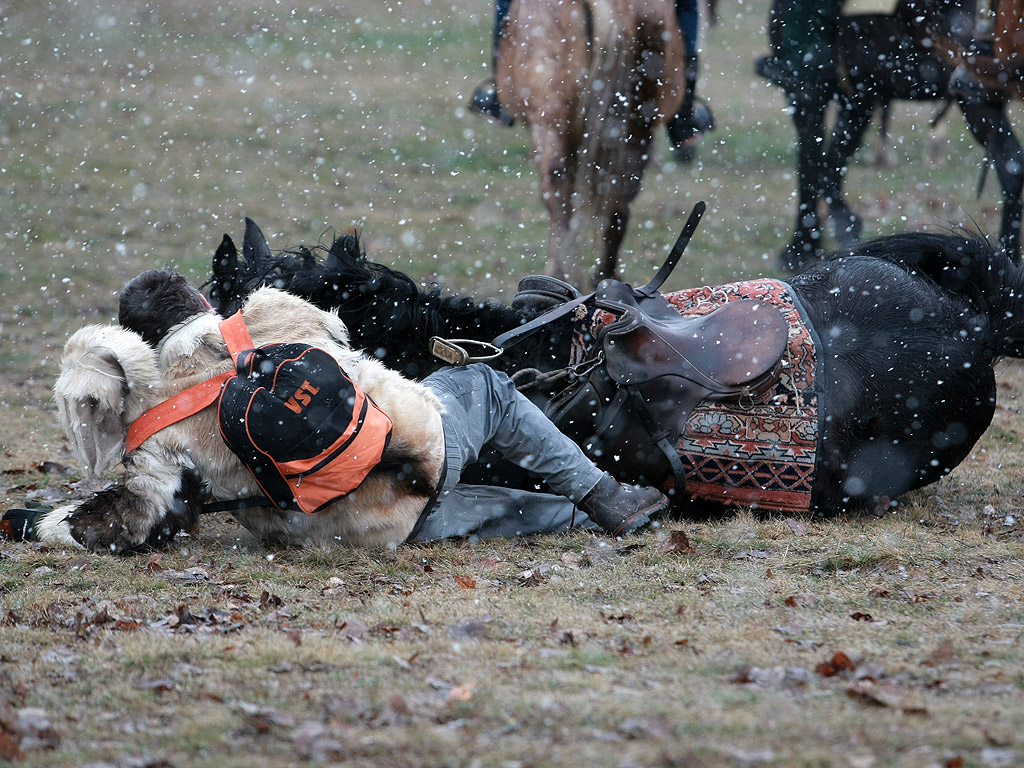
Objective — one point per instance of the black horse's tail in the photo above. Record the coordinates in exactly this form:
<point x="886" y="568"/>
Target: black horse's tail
<point x="968" y="267"/>
<point x="386" y="312"/>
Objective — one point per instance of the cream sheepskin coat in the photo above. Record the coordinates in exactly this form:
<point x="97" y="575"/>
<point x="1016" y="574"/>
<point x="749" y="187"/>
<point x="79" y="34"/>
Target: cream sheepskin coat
<point x="110" y="376"/>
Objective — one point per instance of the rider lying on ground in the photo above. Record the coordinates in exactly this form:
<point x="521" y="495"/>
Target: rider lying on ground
<point x="168" y="340"/>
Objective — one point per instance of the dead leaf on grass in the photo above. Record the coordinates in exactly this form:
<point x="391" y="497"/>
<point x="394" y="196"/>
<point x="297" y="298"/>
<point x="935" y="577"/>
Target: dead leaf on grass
<point x="24" y="730"/>
<point x="866" y="695"/>
<point x="268" y="600"/>
<point x="354" y="630"/>
<point x="533" y="576"/>
<point x="942" y="655"/>
<point x="157" y="686"/>
<point x="207" y="620"/>
<point x="470" y="628"/>
<point x="312" y="742"/>
<point x="264" y="719"/>
<point x="676" y="543"/>
<point x="9" y="748"/>
<point x="570" y="637"/>
<point x="870" y="694"/>
<point x="741" y="674"/>
<point x="626" y="549"/>
<point x="798" y="527"/>
<point x="461" y="692"/>
<point x="750" y="554"/>
<point x="465" y="582"/>
<point x="839" y="662"/>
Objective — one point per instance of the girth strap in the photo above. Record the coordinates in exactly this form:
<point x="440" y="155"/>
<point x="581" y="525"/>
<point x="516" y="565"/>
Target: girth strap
<point x="660" y="437"/>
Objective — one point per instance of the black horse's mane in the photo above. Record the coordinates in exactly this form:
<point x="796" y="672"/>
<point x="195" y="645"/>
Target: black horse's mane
<point x="386" y="312"/>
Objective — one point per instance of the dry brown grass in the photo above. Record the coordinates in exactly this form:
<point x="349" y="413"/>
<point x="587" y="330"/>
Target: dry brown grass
<point x="136" y="135"/>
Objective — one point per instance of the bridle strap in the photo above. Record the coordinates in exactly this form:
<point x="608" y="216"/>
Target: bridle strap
<point x="508" y="338"/>
<point x="453" y="350"/>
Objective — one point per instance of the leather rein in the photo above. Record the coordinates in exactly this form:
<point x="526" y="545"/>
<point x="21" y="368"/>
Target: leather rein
<point x="457" y="351"/>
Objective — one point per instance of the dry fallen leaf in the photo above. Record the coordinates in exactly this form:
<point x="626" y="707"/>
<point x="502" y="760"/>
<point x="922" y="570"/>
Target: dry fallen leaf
<point x="863" y="694"/>
<point x="839" y="662"/>
<point x="465" y="582"/>
<point x="796" y="526"/>
<point x="677" y="543"/>
<point x="941" y="655"/>
<point x="461" y="692"/>
<point x="157" y="686"/>
<point x="268" y="600"/>
<point x="470" y="628"/>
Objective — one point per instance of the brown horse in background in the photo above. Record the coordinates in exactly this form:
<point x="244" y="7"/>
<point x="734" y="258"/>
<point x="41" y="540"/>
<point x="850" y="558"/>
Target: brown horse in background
<point x="590" y="79"/>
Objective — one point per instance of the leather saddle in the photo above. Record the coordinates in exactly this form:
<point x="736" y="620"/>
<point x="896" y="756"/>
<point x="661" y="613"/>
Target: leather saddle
<point x="628" y="406"/>
<point x="730" y="351"/>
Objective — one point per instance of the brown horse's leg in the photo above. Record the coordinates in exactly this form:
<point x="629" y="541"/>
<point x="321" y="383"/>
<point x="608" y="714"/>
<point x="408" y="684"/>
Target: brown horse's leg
<point x="617" y="198"/>
<point x="556" y="167"/>
<point x="613" y="236"/>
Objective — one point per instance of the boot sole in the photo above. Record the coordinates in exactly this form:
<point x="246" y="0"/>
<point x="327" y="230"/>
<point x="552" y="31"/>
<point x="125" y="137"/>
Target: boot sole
<point x="640" y="518"/>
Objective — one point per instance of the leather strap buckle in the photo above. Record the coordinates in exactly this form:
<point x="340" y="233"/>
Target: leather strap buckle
<point x="458" y="351"/>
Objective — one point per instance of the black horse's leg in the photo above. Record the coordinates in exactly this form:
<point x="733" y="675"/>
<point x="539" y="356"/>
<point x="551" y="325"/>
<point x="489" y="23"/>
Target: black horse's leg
<point x="809" y="120"/>
<point x="852" y="121"/>
<point x="990" y="125"/>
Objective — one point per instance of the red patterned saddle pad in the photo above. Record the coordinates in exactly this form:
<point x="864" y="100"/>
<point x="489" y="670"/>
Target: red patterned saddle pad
<point x="761" y="453"/>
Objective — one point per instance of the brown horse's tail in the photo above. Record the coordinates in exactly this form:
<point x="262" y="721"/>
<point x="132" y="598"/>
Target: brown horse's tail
<point x="632" y="48"/>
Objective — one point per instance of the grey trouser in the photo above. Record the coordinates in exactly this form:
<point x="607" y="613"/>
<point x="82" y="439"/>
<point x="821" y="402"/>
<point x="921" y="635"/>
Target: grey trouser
<point x="484" y="409"/>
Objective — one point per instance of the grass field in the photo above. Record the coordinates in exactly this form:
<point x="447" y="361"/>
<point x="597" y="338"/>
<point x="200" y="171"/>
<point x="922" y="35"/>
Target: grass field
<point x="135" y="134"/>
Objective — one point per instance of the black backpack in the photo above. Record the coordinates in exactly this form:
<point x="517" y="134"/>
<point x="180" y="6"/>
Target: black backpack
<point x="308" y="434"/>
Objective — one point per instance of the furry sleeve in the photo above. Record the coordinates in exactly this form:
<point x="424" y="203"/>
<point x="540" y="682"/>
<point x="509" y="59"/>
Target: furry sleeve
<point x="109" y="377"/>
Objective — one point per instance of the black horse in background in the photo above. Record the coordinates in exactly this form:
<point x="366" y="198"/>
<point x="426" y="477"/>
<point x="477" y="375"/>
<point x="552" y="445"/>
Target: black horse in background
<point x="907" y="329"/>
<point x="880" y="58"/>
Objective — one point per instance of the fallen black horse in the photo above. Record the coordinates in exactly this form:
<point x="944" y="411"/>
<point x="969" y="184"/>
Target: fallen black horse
<point x="885" y="385"/>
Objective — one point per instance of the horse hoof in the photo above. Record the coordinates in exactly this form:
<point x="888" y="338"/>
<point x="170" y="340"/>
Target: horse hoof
<point x="847" y="227"/>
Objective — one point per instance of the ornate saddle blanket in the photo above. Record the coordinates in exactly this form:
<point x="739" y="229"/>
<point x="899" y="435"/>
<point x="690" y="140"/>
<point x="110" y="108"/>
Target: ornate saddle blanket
<point x="762" y="452"/>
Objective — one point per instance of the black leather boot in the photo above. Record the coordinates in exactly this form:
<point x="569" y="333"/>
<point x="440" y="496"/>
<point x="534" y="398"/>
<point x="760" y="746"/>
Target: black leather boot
<point x="485" y="102"/>
<point x="621" y="509"/>
<point x="693" y="118"/>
